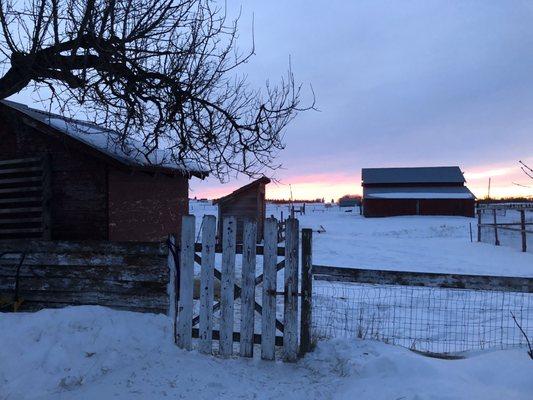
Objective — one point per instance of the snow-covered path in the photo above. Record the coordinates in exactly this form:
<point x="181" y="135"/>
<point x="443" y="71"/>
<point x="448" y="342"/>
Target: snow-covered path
<point x="97" y="353"/>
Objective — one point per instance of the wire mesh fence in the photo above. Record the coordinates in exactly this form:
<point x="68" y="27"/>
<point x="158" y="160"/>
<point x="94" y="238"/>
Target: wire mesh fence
<point x="508" y="229"/>
<point x="428" y="319"/>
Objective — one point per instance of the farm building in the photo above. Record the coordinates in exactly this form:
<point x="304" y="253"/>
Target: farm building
<point x="349" y="201"/>
<point x="64" y="179"/>
<point x="416" y="191"/>
<point x="247" y="202"/>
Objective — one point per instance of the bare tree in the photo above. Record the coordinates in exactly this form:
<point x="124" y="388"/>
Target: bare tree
<point x="526" y="169"/>
<point x="162" y="71"/>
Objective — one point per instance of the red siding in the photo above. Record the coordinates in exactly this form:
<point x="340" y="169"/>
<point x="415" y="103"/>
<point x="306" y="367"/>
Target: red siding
<point x="143" y="207"/>
<point x="392" y="207"/>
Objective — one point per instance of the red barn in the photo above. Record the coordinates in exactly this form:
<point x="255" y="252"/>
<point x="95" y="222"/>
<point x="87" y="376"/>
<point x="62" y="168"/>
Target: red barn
<point x="416" y="191"/>
<point x="64" y="179"/>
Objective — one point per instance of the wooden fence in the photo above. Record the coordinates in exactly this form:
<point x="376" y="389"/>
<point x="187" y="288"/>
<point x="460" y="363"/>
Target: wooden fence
<point x="42" y="274"/>
<point x="520" y="227"/>
<point x="246" y="292"/>
<point x="25" y="192"/>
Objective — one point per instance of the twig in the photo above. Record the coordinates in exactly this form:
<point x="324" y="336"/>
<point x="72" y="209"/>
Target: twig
<point x="530" y="352"/>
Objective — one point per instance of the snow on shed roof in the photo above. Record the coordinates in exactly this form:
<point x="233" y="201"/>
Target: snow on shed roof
<point x="437" y="192"/>
<point x="101" y="139"/>
<point x="412" y="175"/>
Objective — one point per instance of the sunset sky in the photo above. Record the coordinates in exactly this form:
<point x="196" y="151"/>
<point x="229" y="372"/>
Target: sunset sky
<point x="398" y="83"/>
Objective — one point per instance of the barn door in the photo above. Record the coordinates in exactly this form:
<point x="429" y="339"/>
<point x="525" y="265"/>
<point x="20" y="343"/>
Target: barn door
<point x="25" y="198"/>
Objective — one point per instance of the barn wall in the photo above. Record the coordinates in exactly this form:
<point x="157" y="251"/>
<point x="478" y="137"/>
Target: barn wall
<point x="392" y="207"/>
<point x="143" y="207"/>
<point x="79" y="183"/>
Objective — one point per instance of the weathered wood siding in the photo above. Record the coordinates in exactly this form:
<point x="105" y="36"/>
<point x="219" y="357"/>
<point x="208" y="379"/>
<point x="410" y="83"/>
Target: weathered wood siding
<point x="57" y="274"/>
<point x="392" y="207"/>
<point x="144" y="207"/>
<point x="249" y="205"/>
<point x="78" y="184"/>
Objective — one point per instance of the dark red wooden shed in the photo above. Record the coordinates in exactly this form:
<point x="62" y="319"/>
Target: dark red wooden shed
<point x="416" y="191"/>
<point x="63" y="179"/>
<point x="247" y="202"/>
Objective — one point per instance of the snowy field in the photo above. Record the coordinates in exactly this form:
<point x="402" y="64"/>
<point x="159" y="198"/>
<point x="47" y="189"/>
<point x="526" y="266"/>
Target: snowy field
<point x="96" y="353"/>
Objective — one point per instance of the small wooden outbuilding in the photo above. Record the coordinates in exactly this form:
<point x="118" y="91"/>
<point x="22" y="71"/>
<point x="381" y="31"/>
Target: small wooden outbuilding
<point x="247" y="202"/>
<point x="416" y="191"/>
<point x="64" y="179"/>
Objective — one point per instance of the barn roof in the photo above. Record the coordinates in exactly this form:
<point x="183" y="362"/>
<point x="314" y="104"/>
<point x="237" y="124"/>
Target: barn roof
<point x="412" y="175"/>
<point x="417" y="192"/>
<point x="97" y="138"/>
<point x="261" y="181"/>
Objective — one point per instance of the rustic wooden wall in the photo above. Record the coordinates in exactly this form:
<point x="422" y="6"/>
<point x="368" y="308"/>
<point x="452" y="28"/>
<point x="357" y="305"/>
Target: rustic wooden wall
<point x="146" y="207"/>
<point x="130" y="276"/>
<point x="391" y="207"/>
<point x="79" y="181"/>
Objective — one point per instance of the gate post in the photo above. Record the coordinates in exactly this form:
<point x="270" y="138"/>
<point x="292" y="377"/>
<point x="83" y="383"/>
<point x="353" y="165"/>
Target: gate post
<point x="307" y="291"/>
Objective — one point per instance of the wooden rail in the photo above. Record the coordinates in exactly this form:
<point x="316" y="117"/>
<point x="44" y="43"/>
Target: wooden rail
<point x="423" y="279"/>
<point x="508" y="226"/>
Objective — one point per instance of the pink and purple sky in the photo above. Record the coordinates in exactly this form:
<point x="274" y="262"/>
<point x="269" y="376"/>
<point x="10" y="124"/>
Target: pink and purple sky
<point x="398" y="83"/>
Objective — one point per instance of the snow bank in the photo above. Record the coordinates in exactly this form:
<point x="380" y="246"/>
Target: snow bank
<point x="97" y="353"/>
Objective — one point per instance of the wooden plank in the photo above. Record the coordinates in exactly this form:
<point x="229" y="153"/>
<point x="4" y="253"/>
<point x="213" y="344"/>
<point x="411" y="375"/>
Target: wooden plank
<point x="209" y="227"/>
<point x="290" y="315"/>
<point x="237" y="337"/>
<point x="47" y="198"/>
<point x="496" y="240"/>
<point x="82" y="259"/>
<point x="20" y="210"/>
<point x="307" y="291"/>
<point x="268" y="317"/>
<point x="239" y="248"/>
<point x="15" y="161"/>
<point x="20" y="230"/>
<point x="32" y="199"/>
<point x="523" y="227"/>
<point x="6" y="171"/>
<point x="424" y="279"/>
<point x="25" y="189"/>
<point x="248" y="288"/>
<point x="20" y="220"/>
<point x="172" y="291"/>
<point x="5" y="181"/>
<point x="227" y="286"/>
<point x="184" y="339"/>
<point x="96" y="247"/>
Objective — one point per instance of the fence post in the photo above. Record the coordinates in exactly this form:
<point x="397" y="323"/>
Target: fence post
<point x="186" y="282"/>
<point x="229" y="232"/>
<point x="290" y="332"/>
<point x="268" y="320"/>
<point x="496" y="240"/>
<point x="172" y="283"/>
<point x="248" y="288"/>
<point x="307" y="291"/>
<point x="523" y="227"/>
<point x="206" y="284"/>
<point x="479" y="225"/>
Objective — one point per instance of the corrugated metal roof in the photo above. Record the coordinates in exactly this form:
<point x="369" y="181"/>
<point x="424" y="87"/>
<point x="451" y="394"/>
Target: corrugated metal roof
<point x="412" y="175"/>
<point x="437" y="192"/>
<point x="101" y="139"/>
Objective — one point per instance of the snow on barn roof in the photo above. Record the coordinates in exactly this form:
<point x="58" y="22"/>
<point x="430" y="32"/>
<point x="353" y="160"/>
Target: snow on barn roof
<point x="437" y="192"/>
<point x="412" y="175"/>
<point x="101" y="139"/>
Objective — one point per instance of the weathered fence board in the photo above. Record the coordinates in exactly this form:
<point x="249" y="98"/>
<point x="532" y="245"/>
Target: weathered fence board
<point x="172" y="289"/>
<point x="209" y="225"/>
<point x="290" y="336"/>
<point x="268" y="327"/>
<point x="248" y="288"/>
<point x="307" y="291"/>
<point x="404" y="278"/>
<point x="184" y="329"/>
<point x="227" y="287"/>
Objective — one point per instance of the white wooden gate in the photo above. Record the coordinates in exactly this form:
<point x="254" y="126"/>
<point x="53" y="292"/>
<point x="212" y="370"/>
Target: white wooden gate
<point x="247" y="291"/>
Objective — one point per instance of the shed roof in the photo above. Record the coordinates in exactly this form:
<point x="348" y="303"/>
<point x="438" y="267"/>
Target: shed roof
<point x="417" y="192"/>
<point x="129" y="154"/>
<point x="261" y="181"/>
<point x="451" y="174"/>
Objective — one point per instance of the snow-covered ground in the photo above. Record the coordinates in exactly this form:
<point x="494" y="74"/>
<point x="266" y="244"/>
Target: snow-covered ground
<point x="97" y="353"/>
<point x="410" y="243"/>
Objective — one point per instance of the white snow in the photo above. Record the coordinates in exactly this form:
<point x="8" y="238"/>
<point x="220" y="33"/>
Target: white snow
<point x="97" y="353"/>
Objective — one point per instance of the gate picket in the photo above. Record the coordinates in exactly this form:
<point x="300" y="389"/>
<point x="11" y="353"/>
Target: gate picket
<point x="184" y="334"/>
<point x="206" y="284"/>
<point x="248" y="289"/>
<point x="227" y="286"/>
<point x="290" y="334"/>
<point x="268" y="320"/>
